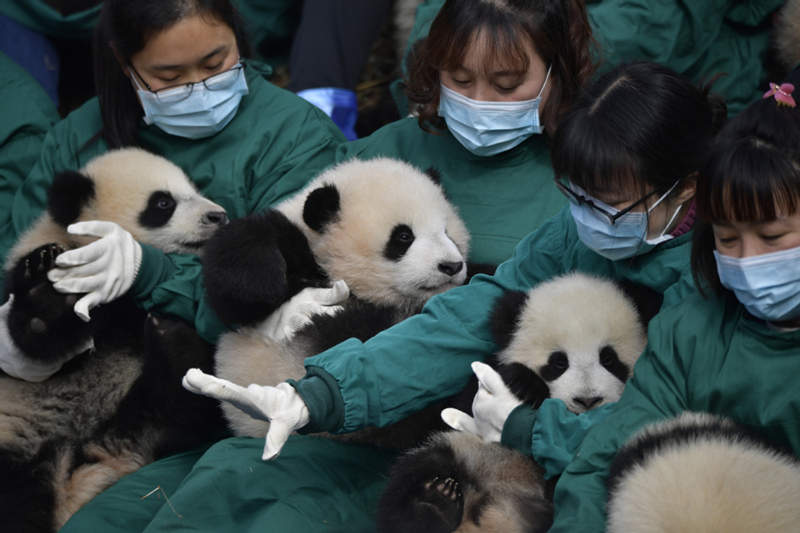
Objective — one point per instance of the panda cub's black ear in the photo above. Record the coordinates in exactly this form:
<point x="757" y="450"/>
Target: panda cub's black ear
<point x="647" y="301"/>
<point x="505" y="315"/>
<point x="321" y="207"/>
<point x="434" y="174"/>
<point x="68" y="194"/>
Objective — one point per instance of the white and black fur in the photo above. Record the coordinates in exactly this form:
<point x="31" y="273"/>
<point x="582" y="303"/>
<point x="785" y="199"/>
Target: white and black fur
<point x="699" y="472"/>
<point x="575" y="338"/>
<point x="117" y="405"/>
<point x="381" y="225"/>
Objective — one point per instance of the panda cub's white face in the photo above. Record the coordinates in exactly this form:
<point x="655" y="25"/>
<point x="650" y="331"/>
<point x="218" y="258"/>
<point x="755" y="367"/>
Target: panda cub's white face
<point x="581" y="335"/>
<point x="394" y="238"/>
<point x="153" y="199"/>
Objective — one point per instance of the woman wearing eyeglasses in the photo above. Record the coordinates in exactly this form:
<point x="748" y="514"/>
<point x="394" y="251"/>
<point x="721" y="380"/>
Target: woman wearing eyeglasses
<point x="626" y="156"/>
<point x="170" y="78"/>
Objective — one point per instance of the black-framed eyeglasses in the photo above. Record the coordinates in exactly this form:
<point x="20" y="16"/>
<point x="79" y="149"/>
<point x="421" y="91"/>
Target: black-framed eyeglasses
<point x="176" y="93"/>
<point x="607" y="211"/>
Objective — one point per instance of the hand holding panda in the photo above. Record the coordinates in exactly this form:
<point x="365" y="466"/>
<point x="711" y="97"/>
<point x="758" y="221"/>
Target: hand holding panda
<point x="491" y="406"/>
<point x="104" y="270"/>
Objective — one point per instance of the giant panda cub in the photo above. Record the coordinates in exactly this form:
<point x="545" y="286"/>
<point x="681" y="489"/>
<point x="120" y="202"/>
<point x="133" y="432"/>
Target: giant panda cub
<point x="699" y="472"/>
<point x="381" y="225"/>
<point x="576" y="338"/>
<point x="109" y="398"/>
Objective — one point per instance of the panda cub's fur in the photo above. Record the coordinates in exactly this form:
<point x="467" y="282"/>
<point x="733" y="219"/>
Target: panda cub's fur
<point x="381" y="225"/>
<point x="145" y="194"/>
<point x="699" y="472"/>
<point x="575" y="338"/>
<point x="111" y="408"/>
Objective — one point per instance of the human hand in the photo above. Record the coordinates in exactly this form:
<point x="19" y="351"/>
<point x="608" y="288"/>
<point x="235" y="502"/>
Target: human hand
<point x="297" y="312"/>
<point x="490" y="407"/>
<point x="281" y="406"/>
<point x="104" y="269"/>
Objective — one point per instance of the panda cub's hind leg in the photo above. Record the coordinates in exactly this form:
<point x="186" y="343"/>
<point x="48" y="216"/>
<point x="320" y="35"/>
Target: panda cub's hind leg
<point x="423" y="493"/>
<point x="41" y="321"/>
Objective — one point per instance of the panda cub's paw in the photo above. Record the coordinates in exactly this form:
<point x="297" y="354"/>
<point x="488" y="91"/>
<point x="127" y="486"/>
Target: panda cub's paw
<point x="41" y="321"/>
<point x="442" y="498"/>
<point x="31" y="270"/>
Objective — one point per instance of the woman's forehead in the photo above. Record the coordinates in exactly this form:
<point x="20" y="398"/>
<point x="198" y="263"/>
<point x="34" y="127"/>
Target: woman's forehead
<point x="188" y="41"/>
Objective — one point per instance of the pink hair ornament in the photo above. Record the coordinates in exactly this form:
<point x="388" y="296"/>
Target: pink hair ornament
<point x="782" y="94"/>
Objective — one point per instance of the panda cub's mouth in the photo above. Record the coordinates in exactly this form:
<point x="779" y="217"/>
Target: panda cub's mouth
<point x="195" y="245"/>
<point x="437" y="287"/>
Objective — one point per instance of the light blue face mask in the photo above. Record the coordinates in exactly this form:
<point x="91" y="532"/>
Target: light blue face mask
<point x="768" y="285"/>
<point x="626" y="237"/>
<point x="195" y="110"/>
<point x="489" y="128"/>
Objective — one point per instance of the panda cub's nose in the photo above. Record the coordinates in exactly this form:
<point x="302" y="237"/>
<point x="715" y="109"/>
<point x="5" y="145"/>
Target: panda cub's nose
<point x="215" y="218"/>
<point x="451" y="268"/>
<point x="587" y="401"/>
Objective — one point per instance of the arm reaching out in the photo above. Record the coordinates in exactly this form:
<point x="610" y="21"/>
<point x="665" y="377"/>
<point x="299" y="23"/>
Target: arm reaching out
<point x="281" y="405"/>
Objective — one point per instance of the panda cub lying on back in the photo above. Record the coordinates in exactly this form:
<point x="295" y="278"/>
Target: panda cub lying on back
<point x="699" y="472"/>
<point x="107" y="397"/>
<point x="381" y="225"/>
<point x="574" y="338"/>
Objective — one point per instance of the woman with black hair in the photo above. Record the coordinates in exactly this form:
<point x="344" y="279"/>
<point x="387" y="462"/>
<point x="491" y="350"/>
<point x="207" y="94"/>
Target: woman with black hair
<point x="732" y="349"/>
<point x="172" y="78"/>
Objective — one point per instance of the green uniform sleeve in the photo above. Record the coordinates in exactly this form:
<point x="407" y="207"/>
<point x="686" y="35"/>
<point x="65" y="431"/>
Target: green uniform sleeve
<point x="656" y="391"/>
<point x="426" y="357"/>
<point x="551" y="433"/>
<point x="287" y="164"/>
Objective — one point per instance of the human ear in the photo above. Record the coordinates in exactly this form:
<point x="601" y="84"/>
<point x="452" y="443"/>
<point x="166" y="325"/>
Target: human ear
<point x="688" y="187"/>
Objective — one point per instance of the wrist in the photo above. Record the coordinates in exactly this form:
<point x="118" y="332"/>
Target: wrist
<point x="518" y="429"/>
<point x="320" y="394"/>
<point x="154" y="266"/>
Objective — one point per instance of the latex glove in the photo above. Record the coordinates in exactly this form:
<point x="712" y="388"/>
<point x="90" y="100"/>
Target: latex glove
<point x="297" y="312"/>
<point x="490" y="407"/>
<point x="281" y="406"/>
<point x="104" y="269"/>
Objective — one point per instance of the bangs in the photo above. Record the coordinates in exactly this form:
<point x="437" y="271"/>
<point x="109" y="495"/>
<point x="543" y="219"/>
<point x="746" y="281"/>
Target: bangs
<point x="500" y="43"/>
<point x="754" y="182"/>
<point x="595" y="160"/>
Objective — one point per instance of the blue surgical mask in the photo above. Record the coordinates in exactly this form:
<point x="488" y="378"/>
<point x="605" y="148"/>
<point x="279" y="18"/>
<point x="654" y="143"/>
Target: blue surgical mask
<point x="626" y="237"/>
<point x="768" y="285"/>
<point x="195" y="110"/>
<point x="489" y="128"/>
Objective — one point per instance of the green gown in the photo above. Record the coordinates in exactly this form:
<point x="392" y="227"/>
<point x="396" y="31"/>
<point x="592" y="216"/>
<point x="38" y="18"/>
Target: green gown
<point x="705" y="355"/>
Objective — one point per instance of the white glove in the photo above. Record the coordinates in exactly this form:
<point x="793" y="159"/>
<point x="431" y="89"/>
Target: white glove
<point x="104" y="269"/>
<point x="16" y="364"/>
<point x="281" y="406"/>
<point x="297" y="312"/>
<point x="491" y="406"/>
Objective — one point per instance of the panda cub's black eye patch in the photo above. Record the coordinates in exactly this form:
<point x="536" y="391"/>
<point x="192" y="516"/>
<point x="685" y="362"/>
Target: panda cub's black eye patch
<point x="399" y="242"/>
<point x="160" y="207"/>
<point x="610" y="361"/>
<point x="557" y="364"/>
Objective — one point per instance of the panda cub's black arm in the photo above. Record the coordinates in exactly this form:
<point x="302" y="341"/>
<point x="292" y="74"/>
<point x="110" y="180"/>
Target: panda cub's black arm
<point x="254" y="264"/>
